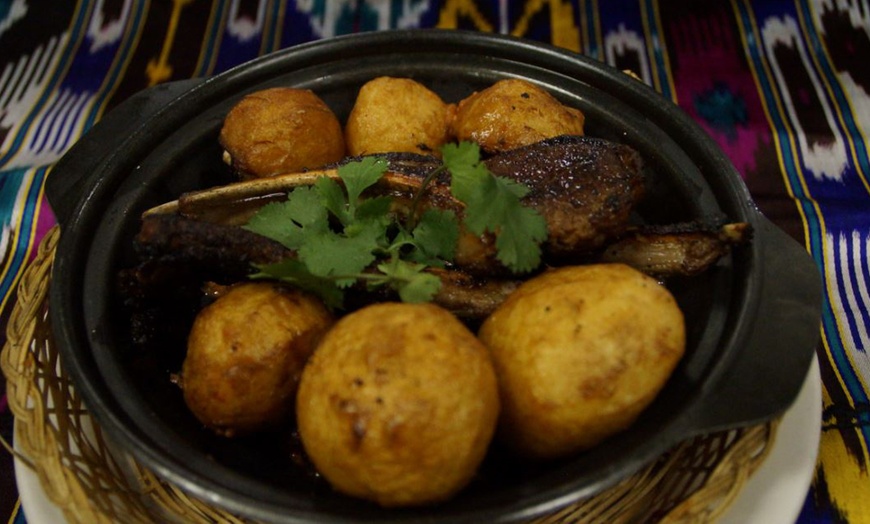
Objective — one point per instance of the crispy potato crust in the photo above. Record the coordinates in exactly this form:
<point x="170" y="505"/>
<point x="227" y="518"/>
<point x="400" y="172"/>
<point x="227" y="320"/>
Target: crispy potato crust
<point x="245" y="354"/>
<point x="513" y="113"/>
<point x="281" y="130"/>
<point x="398" y="404"/>
<point x="579" y="352"/>
<point x="397" y="115"/>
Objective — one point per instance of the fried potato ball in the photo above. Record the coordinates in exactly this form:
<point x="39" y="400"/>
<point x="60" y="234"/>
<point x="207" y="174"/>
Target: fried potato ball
<point x="397" y="115"/>
<point x="280" y="130"/>
<point x="579" y="353"/>
<point x="245" y="354"/>
<point x="512" y="113"/>
<point x="398" y="404"/>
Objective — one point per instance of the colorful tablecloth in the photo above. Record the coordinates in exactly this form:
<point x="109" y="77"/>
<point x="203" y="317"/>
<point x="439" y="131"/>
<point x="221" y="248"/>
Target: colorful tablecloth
<point x="782" y="85"/>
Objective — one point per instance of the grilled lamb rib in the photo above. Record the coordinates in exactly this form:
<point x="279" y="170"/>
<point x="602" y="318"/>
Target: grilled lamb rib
<point x="586" y="189"/>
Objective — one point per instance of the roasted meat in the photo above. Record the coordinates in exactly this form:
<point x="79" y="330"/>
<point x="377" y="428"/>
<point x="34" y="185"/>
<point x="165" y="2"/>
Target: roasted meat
<point x="228" y="252"/>
<point x="222" y="248"/>
<point x="678" y="249"/>
<point x="174" y="247"/>
<point x="584" y="187"/>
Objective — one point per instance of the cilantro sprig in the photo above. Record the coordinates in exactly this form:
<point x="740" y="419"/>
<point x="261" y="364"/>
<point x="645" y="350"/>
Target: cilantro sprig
<point x="492" y="204"/>
<point x="342" y="239"/>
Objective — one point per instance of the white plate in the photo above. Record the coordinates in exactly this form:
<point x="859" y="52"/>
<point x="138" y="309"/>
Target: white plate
<point x="775" y="494"/>
<point x="36" y="505"/>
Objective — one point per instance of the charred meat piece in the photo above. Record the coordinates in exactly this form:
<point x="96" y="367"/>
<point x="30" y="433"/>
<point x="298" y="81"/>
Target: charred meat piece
<point x="174" y="247"/>
<point x="584" y="187"/>
<point x="226" y="253"/>
<point x="471" y="297"/>
<point x="234" y="204"/>
<point x="222" y="249"/>
<point x="681" y="249"/>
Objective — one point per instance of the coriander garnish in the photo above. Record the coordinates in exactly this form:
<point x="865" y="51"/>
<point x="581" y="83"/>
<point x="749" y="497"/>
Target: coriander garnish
<point x="341" y="238"/>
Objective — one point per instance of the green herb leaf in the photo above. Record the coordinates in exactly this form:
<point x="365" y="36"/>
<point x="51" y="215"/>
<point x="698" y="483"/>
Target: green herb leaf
<point x="468" y="175"/>
<point x="294" y="272"/>
<point x="332" y="257"/>
<point x="333" y="198"/>
<point x="289" y="222"/>
<point x="375" y="209"/>
<point x="272" y="221"/>
<point x="492" y="204"/>
<point x="435" y="237"/>
<point x="409" y="280"/>
<point x="359" y="176"/>
<point x="342" y="257"/>
<point x="527" y="228"/>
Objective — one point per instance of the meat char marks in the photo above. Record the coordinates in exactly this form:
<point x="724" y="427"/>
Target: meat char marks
<point x="585" y="188"/>
<point x="222" y="249"/>
<point x="176" y="249"/>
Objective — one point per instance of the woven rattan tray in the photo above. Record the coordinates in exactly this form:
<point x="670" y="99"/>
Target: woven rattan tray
<point x="92" y="482"/>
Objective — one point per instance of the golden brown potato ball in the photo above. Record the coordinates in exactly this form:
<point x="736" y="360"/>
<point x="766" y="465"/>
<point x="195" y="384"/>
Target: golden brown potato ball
<point x="245" y="354"/>
<point x="397" y="115"/>
<point x="398" y="404"/>
<point x="579" y="352"/>
<point x="280" y="130"/>
<point x="513" y="113"/>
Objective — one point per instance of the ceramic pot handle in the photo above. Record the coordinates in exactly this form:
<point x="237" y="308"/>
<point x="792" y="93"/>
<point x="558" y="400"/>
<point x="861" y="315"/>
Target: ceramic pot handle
<point x="70" y="175"/>
<point x="774" y="354"/>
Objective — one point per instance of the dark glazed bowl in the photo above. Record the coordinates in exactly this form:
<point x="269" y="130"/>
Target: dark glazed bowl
<point x="752" y="320"/>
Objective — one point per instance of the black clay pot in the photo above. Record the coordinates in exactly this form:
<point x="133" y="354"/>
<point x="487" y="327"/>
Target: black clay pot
<point x="753" y="320"/>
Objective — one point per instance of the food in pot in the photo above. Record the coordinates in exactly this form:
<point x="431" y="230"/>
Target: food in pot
<point x="393" y="115"/>
<point x="680" y="250"/>
<point x="280" y="130"/>
<point x="398" y="404"/>
<point x="512" y="113"/>
<point x="584" y="187"/>
<point x="245" y="354"/>
<point x="675" y="249"/>
<point x="579" y="353"/>
<point x="174" y="242"/>
<point x="201" y="228"/>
